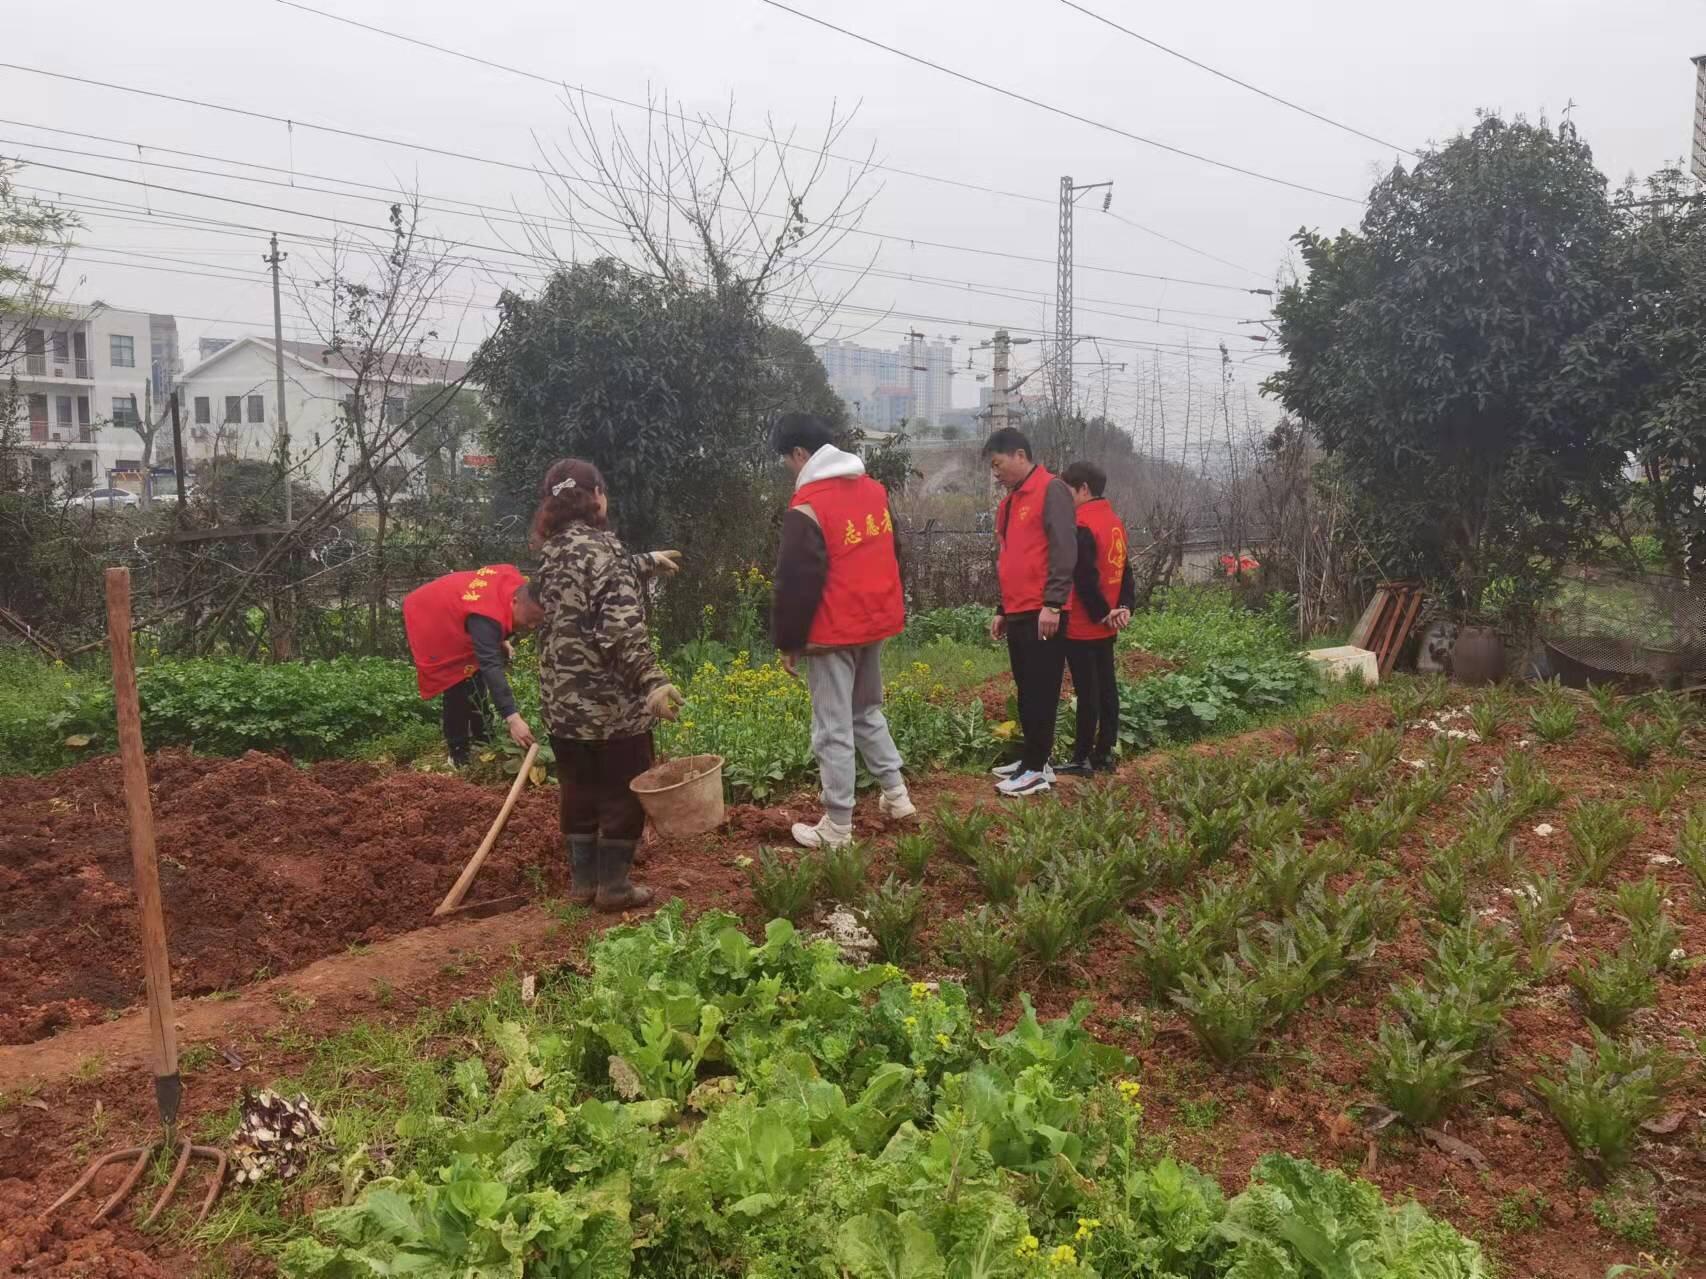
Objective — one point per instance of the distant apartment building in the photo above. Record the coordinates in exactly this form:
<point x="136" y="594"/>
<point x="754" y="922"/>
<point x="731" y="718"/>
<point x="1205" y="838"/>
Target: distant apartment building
<point x="932" y="365"/>
<point x="86" y="375"/>
<point x="884" y="388"/>
<point x="229" y="402"/>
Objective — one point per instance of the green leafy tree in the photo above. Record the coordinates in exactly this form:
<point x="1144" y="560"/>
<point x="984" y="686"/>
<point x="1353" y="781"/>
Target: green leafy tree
<point x="1425" y="351"/>
<point x="666" y="386"/>
<point x="456" y="424"/>
<point x="1641" y="366"/>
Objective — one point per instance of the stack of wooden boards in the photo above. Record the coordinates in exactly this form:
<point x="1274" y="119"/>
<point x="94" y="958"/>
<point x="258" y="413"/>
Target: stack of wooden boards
<point x="1388" y="620"/>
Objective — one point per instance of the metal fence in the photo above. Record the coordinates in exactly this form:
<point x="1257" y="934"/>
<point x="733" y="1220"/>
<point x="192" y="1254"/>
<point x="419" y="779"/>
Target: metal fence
<point x="1607" y="624"/>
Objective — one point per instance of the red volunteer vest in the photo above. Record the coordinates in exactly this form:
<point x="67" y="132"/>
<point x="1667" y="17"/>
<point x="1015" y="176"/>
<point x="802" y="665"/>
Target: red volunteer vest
<point x="1022" y="562"/>
<point x="862" y="601"/>
<point x="1098" y="516"/>
<point x="435" y="619"/>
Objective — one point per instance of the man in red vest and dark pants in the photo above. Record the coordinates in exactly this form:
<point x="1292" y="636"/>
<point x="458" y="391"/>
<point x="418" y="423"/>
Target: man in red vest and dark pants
<point x="1037" y="537"/>
<point x="838" y="597"/>
<point x="1097" y="610"/>
<point x="458" y="628"/>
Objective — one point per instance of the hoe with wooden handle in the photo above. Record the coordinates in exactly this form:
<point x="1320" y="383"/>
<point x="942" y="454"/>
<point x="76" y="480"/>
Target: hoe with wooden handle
<point x="452" y="903"/>
<point x="156" y="966"/>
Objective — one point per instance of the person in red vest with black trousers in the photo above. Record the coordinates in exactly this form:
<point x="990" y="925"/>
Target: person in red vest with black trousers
<point x="838" y="597"/>
<point x="458" y="628"/>
<point x="1037" y="537"/>
<point x="1097" y="610"/>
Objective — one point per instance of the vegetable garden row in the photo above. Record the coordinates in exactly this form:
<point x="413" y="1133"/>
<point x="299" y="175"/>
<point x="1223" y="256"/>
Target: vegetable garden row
<point x="1432" y="944"/>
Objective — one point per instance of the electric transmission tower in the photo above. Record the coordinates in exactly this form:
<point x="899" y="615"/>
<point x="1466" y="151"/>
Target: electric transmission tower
<point x="1063" y="290"/>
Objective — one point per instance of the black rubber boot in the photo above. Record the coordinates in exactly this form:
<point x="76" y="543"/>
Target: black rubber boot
<point x="583" y="868"/>
<point x="616" y="891"/>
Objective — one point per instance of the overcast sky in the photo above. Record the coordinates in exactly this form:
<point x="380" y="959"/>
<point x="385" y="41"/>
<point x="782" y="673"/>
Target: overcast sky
<point x="1408" y="75"/>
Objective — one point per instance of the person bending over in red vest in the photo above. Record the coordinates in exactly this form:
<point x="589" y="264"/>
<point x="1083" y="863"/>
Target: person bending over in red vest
<point x="1098" y="609"/>
<point x="458" y="627"/>
<point x="1037" y="539"/>
<point x="838" y="597"/>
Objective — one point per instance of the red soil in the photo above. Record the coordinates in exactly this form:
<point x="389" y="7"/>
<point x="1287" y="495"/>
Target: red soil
<point x="1299" y="1094"/>
<point x="263" y="867"/>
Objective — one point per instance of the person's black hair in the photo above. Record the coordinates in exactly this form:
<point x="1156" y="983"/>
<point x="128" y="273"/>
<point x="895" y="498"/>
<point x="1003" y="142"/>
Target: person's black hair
<point x="1086" y="475"/>
<point x="1009" y="439"/>
<point x="805" y="431"/>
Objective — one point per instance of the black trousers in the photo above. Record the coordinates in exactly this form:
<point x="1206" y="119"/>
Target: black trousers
<point x="1093" y="680"/>
<point x="463" y="717"/>
<point x="1038" y="665"/>
<point x="593" y="782"/>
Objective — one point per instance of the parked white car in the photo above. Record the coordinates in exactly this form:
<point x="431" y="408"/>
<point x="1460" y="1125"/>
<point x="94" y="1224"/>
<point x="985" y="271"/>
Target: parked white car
<point x="106" y="500"/>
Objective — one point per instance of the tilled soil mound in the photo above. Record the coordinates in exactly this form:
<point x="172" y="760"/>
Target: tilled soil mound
<point x="264" y="867"/>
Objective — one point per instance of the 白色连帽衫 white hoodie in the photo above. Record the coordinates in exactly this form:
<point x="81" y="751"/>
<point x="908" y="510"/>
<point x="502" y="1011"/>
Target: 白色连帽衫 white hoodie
<point x="802" y="565"/>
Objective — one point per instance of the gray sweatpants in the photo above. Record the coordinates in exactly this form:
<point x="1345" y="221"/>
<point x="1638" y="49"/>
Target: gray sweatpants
<point x="847" y="712"/>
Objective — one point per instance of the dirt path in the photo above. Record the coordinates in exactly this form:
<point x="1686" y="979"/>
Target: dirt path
<point x="410" y="964"/>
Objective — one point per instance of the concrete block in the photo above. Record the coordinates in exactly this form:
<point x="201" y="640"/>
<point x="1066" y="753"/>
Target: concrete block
<point x="1335" y="663"/>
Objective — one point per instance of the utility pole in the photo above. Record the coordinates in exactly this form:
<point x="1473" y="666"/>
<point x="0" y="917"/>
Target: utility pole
<point x="1697" y="161"/>
<point x="1063" y="305"/>
<point x="1000" y="366"/>
<point x="915" y="383"/>
<point x="178" y="462"/>
<point x="1063" y="291"/>
<point x="273" y="260"/>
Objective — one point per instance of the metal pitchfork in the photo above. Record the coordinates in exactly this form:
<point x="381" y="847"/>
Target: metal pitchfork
<point x="162" y="1035"/>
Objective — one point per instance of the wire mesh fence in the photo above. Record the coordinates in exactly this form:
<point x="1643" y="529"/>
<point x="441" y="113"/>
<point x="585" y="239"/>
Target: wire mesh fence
<point x="1608" y="624"/>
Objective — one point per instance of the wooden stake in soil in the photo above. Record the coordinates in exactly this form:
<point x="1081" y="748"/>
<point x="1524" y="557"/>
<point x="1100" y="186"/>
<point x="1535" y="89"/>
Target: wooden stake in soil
<point x="459" y="889"/>
<point x="145" y="866"/>
<point x="156" y="965"/>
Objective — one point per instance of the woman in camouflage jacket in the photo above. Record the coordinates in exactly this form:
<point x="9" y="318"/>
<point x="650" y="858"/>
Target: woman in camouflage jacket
<point x="601" y="686"/>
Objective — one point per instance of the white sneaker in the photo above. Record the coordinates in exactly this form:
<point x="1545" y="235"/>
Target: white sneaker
<point x="1005" y="770"/>
<point x="1030" y="783"/>
<point x="896" y="804"/>
<point x="825" y="834"/>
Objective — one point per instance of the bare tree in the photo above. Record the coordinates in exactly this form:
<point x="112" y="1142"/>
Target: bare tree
<point x="1305" y="509"/>
<point x="376" y="306"/>
<point x="693" y="200"/>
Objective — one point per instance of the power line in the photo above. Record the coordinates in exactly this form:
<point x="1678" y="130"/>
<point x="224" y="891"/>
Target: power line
<point x="766" y="139"/>
<point x="1120" y="217"/>
<point x="512" y="270"/>
<point x="956" y="285"/>
<point x="847" y="307"/>
<point x="513" y="165"/>
<point x="488" y="212"/>
<point x="1060" y="111"/>
<point x="1243" y="84"/>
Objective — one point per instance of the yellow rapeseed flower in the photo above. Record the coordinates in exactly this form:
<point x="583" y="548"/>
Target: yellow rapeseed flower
<point x="920" y="992"/>
<point x="1129" y="1089"/>
<point x="911" y="1023"/>
<point x="1065" y="1255"/>
<point x="1027" y="1247"/>
<point x="1087" y="1226"/>
<point x="943" y="1042"/>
